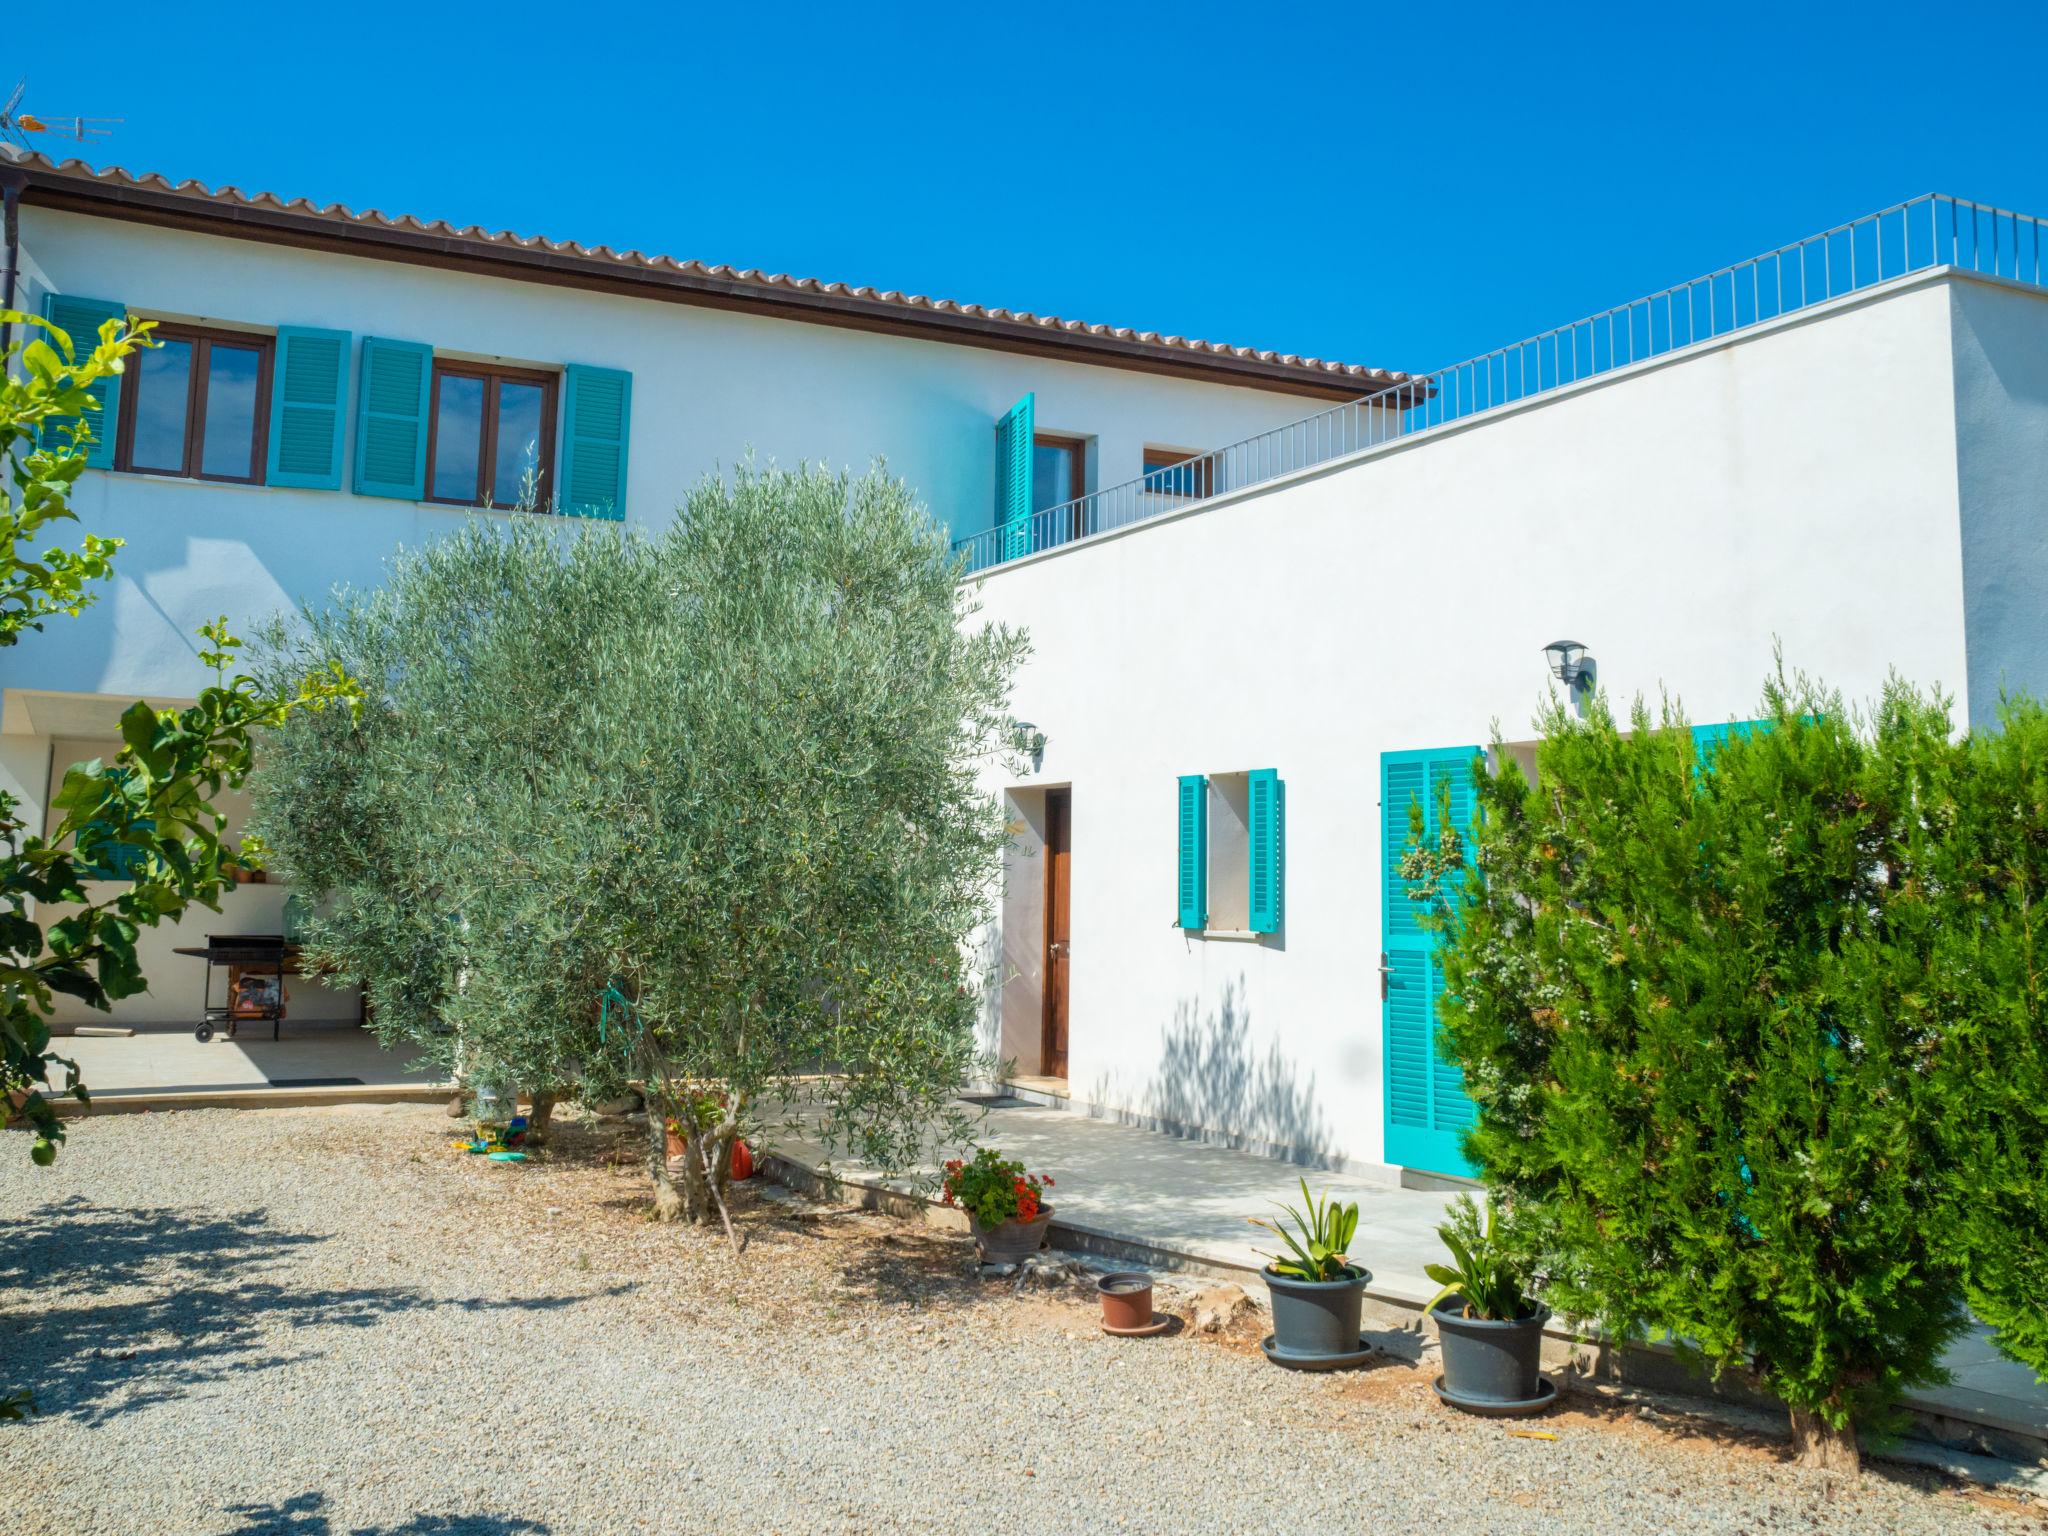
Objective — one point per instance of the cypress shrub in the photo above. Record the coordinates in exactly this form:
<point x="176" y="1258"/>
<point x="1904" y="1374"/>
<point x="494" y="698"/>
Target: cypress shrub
<point x="1740" y="1067"/>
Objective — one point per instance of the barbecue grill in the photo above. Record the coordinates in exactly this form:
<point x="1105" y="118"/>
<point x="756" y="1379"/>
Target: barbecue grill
<point x="244" y="956"/>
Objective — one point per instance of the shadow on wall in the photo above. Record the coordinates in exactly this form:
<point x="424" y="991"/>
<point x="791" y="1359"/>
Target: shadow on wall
<point x="986" y="966"/>
<point x="1213" y="1084"/>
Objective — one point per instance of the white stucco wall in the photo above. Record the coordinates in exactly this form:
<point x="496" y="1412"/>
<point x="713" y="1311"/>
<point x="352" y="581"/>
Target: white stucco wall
<point x="2001" y="412"/>
<point x="707" y="386"/>
<point x="1797" y="484"/>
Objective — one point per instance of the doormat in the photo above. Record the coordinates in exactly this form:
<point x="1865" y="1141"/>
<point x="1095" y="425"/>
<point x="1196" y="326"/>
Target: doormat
<point x="316" y="1082"/>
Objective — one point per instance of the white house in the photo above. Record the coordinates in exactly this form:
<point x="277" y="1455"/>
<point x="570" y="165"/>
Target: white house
<point x="332" y="385"/>
<point x="1247" y="661"/>
<point x="1840" y="448"/>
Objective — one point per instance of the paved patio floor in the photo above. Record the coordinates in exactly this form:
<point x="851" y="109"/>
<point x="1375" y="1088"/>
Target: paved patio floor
<point x="164" y="1059"/>
<point x="1190" y="1199"/>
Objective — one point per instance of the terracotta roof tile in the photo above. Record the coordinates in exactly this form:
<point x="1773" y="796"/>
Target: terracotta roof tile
<point x="1318" y="375"/>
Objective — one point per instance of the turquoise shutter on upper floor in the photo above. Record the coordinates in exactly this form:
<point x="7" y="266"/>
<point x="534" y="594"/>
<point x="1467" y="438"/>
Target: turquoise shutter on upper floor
<point x="1013" y="476"/>
<point x="1193" y="884"/>
<point x="391" y="418"/>
<point x="308" y="397"/>
<point x="597" y="412"/>
<point x="81" y="318"/>
<point x="1267" y="799"/>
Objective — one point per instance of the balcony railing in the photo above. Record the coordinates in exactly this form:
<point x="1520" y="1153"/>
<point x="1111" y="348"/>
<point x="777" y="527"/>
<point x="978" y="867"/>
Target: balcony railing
<point x="1930" y="231"/>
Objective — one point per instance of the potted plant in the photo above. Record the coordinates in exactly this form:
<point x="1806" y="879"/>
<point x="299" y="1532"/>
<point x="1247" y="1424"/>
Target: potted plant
<point x="1490" y="1328"/>
<point x="1004" y="1204"/>
<point x="1315" y="1288"/>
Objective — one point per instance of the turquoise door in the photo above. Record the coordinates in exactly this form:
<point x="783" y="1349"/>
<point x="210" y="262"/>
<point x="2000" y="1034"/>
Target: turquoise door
<point x="1426" y="1106"/>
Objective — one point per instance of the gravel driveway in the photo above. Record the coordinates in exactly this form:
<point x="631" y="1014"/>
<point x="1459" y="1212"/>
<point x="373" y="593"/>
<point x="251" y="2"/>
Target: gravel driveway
<point x="325" y="1322"/>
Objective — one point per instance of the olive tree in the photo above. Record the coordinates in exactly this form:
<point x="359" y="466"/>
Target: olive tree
<point x="698" y="808"/>
<point x="420" y="828"/>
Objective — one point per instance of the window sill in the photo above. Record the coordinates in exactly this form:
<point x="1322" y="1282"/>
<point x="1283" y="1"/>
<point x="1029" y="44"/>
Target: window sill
<point x="1235" y="935"/>
<point x="460" y="510"/>
<point x="148" y="477"/>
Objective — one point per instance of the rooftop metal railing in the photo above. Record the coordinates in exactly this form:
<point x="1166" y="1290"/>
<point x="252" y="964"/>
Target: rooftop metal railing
<point x="1930" y="231"/>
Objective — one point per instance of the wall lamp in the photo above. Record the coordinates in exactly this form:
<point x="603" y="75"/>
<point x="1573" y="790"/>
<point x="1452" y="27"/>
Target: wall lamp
<point x="1569" y="663"/>
<point x="1030" y="740"/>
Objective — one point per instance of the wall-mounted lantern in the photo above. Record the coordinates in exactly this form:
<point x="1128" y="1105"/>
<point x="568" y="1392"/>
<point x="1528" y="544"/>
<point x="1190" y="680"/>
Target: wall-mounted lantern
<point x="1030" y="740"/>
<point x="1570" y="664"/>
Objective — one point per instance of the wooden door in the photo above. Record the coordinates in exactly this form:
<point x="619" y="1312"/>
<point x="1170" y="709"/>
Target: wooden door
<point x="1058" y="930"/>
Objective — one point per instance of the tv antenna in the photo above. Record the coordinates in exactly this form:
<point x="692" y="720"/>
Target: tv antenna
<point x="16" y="125"/>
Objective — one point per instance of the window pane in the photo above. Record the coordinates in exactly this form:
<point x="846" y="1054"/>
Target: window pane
<point x="229" y="444"/>
<point x="1173" y="475"/>
<point x="1052" y="475"/>
<point x="515" y="479"/>
<point x="458" y="438"/>
<point x="162" y="384"/>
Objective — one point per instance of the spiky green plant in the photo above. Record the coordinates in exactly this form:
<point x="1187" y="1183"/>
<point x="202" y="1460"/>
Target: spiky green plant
<point x="1485" y="1270"/>
<point x="1318" y="1239"/>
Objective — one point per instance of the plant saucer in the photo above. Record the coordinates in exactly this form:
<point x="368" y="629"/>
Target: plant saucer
<point x="1161" y="1322"/>
<point x="1495" y="1408"/>
<point x="1337" y="1362"/>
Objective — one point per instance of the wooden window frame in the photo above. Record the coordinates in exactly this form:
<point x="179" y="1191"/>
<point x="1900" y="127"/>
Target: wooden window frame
<point x="487" y="450"/>
<point x="1199" y="468"/>
<point x="202" y="339"/>
<point x="1076" y="449"/>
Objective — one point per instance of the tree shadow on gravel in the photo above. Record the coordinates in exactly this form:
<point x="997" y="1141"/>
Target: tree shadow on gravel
<point x="305" y="1515"/>
<point x="104" y="1311"/>
<point x="911" y="1269"/>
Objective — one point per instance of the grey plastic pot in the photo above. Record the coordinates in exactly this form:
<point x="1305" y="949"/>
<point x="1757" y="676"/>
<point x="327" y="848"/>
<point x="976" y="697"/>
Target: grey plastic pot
<point x="1316" y="1319"/>
<point x="1014" y="1241"/>
<point x="1491" y="1362"/>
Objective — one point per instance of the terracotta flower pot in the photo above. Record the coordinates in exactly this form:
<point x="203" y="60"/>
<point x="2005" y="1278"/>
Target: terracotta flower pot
<point x="1014" y="1241"/>
<point x="1126" y="1301"/>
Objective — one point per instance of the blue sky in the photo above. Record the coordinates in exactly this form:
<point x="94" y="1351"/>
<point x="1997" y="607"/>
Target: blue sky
<point x="1398" y="186"/>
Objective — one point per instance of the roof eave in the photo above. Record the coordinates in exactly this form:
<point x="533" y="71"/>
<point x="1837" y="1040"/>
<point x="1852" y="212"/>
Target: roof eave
<point x="176" y="209"/>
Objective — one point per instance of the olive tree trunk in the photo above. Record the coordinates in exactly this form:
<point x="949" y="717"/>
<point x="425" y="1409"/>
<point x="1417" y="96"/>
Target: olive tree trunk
<point x="691" y="1186"/>
<point x="668" y="1200"/>
<point x="541" y="1113"/>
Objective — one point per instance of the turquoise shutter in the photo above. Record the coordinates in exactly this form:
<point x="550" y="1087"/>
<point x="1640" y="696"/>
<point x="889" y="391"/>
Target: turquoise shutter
<point x="1268" y="804"/>
<point x="391" y="419"/>
<point x="1013" y="477"/>
<point x="1427" y="1112"/>
<point x="1707" y="739"/>
<point x="308" y="397"/>
<point x="122" y="861"/>
<point x="1194" y="851"/>
<point x="597" y="412"/>
<point x="81" y="319"/>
